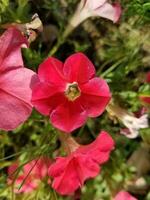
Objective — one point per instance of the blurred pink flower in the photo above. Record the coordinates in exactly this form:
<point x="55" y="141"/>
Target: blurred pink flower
<point x="32" y="175"/>
<point x="132" y="123"/>
<point x="82" y="163"/>
<point x="101" y="8"/>
<point x="15" y="81"/>
<point x="123" y="195"/>
<point x="148" y="77"/>
<point x="146" y="97"/>
<point x="70" y="93"/>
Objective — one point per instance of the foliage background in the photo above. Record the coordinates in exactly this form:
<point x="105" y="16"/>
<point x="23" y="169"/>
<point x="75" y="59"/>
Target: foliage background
<point x="121" y="54"/>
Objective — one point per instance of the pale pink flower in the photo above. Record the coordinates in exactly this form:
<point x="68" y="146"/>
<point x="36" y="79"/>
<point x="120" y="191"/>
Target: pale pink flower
<point x="91" y="8"/>
<point x="132" y="123"/>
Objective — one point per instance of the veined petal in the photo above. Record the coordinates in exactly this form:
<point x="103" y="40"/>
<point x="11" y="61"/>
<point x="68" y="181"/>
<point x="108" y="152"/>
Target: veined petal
<point x="10" y="49"/>
<point x="78" y="68"/>
<point x="100" y="149"/>
<point x="95" y="96"/>
<point x="68" y="116"/>
<point x="50" y="71"/>
<point x="109" y="11"/>
<point x="19" y="83"/>
<point x="15" y="97"/>
<point x="13" y="111"/>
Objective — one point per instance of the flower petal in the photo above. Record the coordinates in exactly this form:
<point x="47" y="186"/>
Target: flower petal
<point x="10" y="49"/>
<point x="109" y="11"/>
<point x="95" y="96"/>
<point x="123" y="195"/>
<point x="94" y="4"/>
<point x="68" y="116"/>
<point x="15" y="97"/>
<point x="100" y="149"/>
<point x="78" y="68"/>
<point x="66" y="181"/>
<point x="51" y="71"/>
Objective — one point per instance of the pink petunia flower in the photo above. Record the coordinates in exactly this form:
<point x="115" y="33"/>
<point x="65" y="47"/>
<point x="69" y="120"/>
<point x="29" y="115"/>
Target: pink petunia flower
<point x="70" y="92"/>
<point x="91" y="8"/>
<point x="31" y="176"/>
<point x="15" y="81"/>
<point x="70" y="172"/>
<point x="123" y="195"/>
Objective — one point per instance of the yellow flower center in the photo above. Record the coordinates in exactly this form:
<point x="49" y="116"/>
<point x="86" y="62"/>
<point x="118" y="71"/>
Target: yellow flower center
<point x="72" y="91"/>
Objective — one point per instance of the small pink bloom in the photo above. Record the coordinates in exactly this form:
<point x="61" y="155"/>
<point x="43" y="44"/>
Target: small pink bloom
<point x="70" y="172"/>
<point x="132" y="123"/>
<point x="91" y="8"/>
<point x="123" y="195"/>
<point x="32" y="174"/>
<point x="70" y="92"/>
<point x="104" y="9"/>
<point x="15" y="81"/>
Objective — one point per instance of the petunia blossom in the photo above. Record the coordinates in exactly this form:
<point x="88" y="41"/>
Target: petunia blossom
<point x="91" y="8"/>
<point x="69" y="93"/>
<point x="123" y="195"/>
<point x="31" y="176"/>
<point x="15" y="81"/>
<point x="132" y="123"/>
<point x="69" y="173"/>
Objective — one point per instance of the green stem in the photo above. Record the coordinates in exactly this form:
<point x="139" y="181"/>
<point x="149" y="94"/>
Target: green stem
<point x="110" y="69"/>
<point x="62" y="39"/>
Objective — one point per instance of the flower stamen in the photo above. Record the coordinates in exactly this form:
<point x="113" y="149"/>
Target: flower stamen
<point x="72" y="91"/>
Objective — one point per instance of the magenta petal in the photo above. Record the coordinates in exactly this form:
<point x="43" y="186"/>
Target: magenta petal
<point x="78" y="68"/>
<point x="100" y="149"/>
<point x="68" y="116"/>
<point x="15" y="97"/>
<point x="109" y="11"/>
<point x="95" y="96"/>
<point x="67" y="181"/>
<point x="51" y="71"/>
<point x="10" y="49"/>
<point x="86" y="168"/>
<point x="46" y="97"/>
